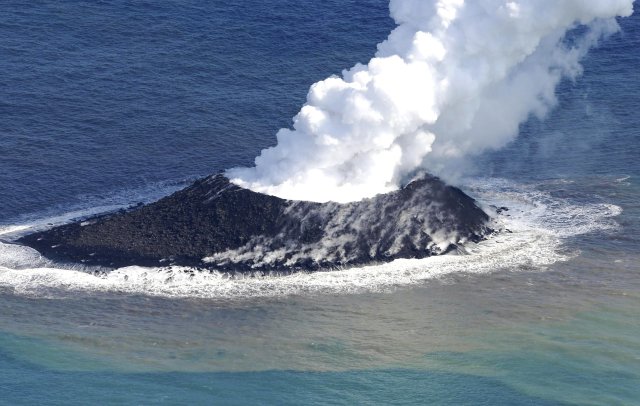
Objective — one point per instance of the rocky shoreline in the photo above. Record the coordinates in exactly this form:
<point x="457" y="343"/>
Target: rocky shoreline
<point x="215" y="224"/>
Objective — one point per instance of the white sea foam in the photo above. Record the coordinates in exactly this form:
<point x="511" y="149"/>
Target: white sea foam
<point x="537" y="225"/>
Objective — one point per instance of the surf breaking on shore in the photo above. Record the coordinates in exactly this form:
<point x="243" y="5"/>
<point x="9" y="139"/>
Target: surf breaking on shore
<point x="539" y="224"/>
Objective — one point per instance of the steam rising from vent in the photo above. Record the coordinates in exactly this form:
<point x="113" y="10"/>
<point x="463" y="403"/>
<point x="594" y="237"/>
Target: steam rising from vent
<point x="454" y="78"/>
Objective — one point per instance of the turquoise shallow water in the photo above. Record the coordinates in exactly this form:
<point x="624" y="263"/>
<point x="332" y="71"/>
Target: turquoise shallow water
<point x="129" y="108"/>
<point x="285" y="387"/>
<point x="551" y="339"/>
<point x="362" y="387"/>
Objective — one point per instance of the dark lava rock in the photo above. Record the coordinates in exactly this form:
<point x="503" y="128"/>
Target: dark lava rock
<point x="218" y="225"/>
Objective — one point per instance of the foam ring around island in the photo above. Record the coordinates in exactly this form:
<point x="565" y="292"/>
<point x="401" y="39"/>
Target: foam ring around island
<point x="539" y="225"/>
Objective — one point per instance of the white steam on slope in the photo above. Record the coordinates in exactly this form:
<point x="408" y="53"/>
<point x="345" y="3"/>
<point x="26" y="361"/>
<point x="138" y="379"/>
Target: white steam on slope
<point x="453" y="79"/>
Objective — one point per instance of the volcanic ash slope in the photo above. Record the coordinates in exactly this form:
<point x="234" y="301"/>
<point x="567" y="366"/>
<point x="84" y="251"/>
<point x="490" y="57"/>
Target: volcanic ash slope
<point x="216" y="224"/>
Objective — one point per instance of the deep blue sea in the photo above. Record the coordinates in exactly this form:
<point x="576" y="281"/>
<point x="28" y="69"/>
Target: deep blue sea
<point x="107" y="103"/>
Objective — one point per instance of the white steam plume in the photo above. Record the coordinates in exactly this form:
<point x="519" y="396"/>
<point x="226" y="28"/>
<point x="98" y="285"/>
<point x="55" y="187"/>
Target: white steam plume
<point x="454" y="78"/>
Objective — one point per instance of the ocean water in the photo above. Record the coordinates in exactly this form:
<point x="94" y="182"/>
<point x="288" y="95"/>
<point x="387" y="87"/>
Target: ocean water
<point x="104" y="104"/>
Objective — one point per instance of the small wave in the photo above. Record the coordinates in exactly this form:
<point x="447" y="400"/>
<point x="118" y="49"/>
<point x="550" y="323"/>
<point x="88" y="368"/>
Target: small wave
<point x="623" y="180"/>
<point x="535" y="227"/>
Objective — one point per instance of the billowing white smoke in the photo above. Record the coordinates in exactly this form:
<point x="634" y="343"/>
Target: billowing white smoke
<point x="454" y="78"/>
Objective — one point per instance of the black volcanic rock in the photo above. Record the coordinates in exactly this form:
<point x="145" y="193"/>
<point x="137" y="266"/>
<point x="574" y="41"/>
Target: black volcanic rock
<point x="218" y="225"/>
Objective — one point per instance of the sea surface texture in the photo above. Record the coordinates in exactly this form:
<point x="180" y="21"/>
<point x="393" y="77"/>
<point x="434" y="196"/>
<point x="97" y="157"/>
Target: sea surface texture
<point x="104" y="104"/>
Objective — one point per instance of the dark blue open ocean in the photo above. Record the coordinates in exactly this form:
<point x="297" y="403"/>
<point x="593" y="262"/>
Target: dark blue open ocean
<point x="108" y="103"/>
